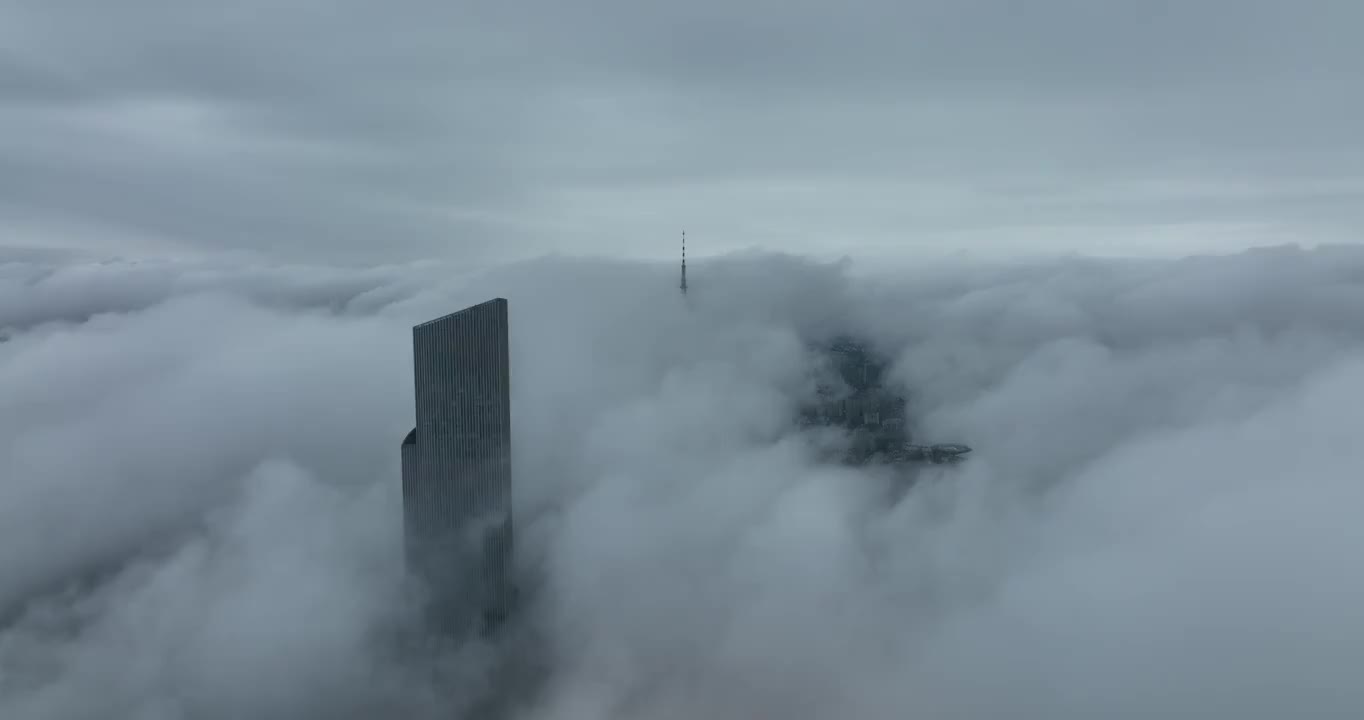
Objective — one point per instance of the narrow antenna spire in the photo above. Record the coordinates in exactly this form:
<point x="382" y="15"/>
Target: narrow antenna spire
<point x="684" y="263"/>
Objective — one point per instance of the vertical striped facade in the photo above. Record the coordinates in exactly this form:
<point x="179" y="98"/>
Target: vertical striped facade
<point x="456" y="467"/>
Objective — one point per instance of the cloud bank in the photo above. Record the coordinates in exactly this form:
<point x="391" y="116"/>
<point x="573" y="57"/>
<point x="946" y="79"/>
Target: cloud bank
<point x="306" y="131"/>
<point x="199" y="512"/>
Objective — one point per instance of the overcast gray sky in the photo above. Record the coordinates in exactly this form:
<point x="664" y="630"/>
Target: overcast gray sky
<point x="363" y="131"/>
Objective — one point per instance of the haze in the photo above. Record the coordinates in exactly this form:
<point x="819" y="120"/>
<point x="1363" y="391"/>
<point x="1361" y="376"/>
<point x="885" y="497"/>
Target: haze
<point x="1113" y="246"/>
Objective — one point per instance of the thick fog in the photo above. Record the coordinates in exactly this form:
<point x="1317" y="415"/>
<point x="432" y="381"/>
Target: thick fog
<point x="200" y="513"/>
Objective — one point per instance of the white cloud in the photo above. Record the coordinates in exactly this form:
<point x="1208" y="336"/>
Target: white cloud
<point x="199" y="513"/>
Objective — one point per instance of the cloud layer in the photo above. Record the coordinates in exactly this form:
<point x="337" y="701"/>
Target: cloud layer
<point x="199" y="513"/>
<point x="350" y="131"/>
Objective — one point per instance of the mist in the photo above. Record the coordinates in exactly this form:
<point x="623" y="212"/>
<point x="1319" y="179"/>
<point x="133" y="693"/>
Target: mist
<point x="200" y="513"/>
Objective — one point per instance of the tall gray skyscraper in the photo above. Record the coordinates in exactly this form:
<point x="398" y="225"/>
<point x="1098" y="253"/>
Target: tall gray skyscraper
<point x="456" y="467"/>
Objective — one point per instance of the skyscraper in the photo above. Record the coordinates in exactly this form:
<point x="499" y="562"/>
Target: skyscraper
<point x="456" y="468"/>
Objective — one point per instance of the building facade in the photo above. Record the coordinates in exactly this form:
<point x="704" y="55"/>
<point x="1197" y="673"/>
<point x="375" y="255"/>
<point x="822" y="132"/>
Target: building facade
<point x="456" y="468"/>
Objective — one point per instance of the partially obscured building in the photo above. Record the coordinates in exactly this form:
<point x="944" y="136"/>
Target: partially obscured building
<point x="853" y="395"/>
<point x="456" y="468"/>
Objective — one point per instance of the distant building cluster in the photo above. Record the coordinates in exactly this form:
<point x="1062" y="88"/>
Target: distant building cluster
<point x="853" y="396"/>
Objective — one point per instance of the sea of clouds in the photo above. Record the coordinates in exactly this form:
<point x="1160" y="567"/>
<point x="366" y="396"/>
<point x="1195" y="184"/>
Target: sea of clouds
<point x="200" y="514"/>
